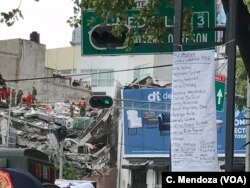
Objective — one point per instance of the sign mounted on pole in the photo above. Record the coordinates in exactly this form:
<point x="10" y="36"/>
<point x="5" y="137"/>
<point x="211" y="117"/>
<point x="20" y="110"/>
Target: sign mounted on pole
<point x="96" y="41"/>
<point x="220" y="82"/>
<point x="193" y="114"/>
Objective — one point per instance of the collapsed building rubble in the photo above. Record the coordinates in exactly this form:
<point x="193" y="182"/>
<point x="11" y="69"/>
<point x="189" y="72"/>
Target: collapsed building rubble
<point x="86" y="146"/>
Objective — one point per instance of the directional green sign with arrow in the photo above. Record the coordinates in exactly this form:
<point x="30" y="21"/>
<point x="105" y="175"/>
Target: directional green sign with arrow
<point x="220" y="92"/>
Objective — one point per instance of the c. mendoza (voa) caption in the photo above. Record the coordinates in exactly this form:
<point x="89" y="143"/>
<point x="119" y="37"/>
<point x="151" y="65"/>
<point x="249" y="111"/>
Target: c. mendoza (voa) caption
<point x="173" y="179"/>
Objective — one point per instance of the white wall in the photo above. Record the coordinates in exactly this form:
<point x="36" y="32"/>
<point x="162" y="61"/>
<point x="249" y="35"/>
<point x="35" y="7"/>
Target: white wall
<point x="105" y="62"/>
<point x="163" y="74"/>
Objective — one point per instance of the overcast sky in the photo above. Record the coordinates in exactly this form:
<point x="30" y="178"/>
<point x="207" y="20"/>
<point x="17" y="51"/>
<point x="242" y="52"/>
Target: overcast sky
<point x="47" y="17"/>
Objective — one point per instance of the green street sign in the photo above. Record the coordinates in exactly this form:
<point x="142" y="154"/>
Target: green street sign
<point x="203" y="17"/>
<point x="220" y="82"/>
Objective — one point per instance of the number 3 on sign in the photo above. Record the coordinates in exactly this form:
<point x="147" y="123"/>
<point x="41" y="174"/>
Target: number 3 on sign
<point x="201" y="19"/>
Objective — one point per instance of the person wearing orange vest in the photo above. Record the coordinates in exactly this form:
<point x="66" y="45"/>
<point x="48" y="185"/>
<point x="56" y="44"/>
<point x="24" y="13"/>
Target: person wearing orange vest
<point x="82" y="106"/>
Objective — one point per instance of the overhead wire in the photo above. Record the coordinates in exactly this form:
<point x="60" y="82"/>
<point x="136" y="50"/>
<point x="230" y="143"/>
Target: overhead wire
<point x="103" y="72"/>
<point x="83" y="74"/>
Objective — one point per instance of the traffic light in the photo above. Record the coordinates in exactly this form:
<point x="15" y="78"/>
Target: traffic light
<point x="100" y="101"/>
<point x="102" y="37"/>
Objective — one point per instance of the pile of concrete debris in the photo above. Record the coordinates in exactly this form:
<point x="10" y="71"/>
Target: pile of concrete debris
<point x="85" y="146"/>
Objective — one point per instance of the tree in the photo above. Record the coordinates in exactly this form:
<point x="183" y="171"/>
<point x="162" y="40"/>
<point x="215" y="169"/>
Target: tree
<point x="154" y="24"/>
<point x="10" y="17"/>
<point x="241" y="83"/>
<point x="243" y="32"/>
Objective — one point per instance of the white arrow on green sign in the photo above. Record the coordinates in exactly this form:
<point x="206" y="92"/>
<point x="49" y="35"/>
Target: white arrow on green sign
<point x="219" y="96"/>
<point x="220" y="92"/>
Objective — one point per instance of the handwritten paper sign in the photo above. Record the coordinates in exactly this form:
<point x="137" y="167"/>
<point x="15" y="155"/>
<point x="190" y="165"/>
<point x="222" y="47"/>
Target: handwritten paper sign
<point x="193" y="112"/>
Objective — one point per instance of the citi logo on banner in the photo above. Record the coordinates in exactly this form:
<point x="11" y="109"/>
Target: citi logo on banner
<point x="158" y="96"/>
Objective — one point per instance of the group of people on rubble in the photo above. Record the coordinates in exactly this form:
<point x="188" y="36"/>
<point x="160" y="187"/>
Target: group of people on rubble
<point x="16" y="98"/>
<point x="82" y="105"/>
<point x="77" y="83"/>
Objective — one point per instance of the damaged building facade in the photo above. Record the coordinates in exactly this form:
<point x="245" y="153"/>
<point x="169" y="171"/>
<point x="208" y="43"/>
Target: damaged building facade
<point x="22" y="65"/>
<point x="85" y="140"/>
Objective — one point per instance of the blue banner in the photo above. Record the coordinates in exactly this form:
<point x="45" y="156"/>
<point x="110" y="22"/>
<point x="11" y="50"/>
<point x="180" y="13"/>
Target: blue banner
<point x="146" y="118"/>
<point x="146" y="121"/>
<point x="239" y="131"/>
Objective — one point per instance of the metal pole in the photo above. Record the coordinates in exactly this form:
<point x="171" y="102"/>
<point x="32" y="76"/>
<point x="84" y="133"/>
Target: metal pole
<point x="247" y="159"/>
<point x="61" y="161"/>
<point x="9" y="112"/>
<point x="231" y="46"/>
<point x="177" y="42"/>
<point x="177" y="26"/>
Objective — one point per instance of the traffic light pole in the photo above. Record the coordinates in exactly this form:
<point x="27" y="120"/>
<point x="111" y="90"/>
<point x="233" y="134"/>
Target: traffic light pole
<point x="9" y="121"/>
<point x="61" y="159"/>
<point x="231" y="49"/>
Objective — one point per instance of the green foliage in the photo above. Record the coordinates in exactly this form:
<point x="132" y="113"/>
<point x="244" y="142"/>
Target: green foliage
<point x="240" y="82"/>
<point x="75" y="20"/>
<point x="148" y="16"/>
<point x="69" y="173"/>
<point x="154" y="25"/>
<point x="154" y="28"/>
<point x="10" y="17"/>
<point x="247" y="3"/>
<point x="186" y="22"/>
